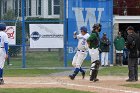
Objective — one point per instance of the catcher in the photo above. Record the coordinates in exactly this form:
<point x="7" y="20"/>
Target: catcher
<point x="93" y="42"/>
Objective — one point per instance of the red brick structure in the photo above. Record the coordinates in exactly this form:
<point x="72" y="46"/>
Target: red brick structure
<point x="127" y="7"/>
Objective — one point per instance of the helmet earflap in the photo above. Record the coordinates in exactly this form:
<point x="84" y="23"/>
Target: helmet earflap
<point x="2" y="26"/>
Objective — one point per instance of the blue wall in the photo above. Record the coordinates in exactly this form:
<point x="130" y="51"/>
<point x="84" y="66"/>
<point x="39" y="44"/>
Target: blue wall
<point x="86" y="13"/>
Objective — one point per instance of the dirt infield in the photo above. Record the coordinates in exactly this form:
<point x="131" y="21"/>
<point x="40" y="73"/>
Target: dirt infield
<point x="107" y="84"/>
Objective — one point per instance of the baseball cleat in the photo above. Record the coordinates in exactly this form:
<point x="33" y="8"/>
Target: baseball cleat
<point x="83" y="75"/>
<point x="1" y="81"/>
<point x="71" y="77"/>
<point x="130" y="80"/>
<point x="96" y="80"/>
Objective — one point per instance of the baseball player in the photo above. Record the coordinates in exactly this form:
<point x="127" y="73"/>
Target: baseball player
<point x="93" y="42"/>
<point x="3" y="49"/>
<point x="104" y="46"/>
<point x="81" y="53"/>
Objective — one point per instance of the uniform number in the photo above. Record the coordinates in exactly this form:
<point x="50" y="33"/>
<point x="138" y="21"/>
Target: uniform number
<point x="84" y="42"/>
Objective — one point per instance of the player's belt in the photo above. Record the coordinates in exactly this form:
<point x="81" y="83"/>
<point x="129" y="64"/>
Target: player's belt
<point x="81" y="51"/>
<point x="1" y="47"/>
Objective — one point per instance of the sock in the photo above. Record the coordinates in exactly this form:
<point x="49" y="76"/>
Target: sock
<point x="81" y="70"/>
<point x="1" y="73"/>
<point x="76" y="71"/>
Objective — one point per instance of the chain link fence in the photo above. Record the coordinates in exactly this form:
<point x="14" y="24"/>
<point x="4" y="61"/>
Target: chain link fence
<point x="20" y="14"/>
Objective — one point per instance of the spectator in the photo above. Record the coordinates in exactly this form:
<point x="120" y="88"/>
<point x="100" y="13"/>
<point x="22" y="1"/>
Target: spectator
<point x="125" y="56"/>
<point x="104" y="46"/>
<point x="119" y="44"/>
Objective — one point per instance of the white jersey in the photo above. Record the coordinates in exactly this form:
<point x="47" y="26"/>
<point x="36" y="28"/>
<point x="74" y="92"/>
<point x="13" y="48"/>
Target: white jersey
<point x="82" y="42"/>
<point x="3" y="38"/>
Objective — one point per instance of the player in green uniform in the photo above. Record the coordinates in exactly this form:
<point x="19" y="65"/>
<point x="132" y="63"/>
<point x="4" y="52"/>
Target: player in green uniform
<point x="94" y="42"/>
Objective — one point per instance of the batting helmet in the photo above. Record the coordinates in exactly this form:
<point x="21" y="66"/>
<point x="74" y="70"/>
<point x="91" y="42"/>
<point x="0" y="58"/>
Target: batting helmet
<point x="97" y="26"/>
<point x="130" y="28"/>
<point x="2" y="26"/>
<point x="83" y="28"/>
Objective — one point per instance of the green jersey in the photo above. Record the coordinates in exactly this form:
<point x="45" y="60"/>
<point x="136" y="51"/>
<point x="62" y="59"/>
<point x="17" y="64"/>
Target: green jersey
<point x="119" y="43"/>
<point x="93" y="40"/>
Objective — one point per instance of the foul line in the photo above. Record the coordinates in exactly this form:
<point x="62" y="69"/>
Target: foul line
<point x="77" y="85"/>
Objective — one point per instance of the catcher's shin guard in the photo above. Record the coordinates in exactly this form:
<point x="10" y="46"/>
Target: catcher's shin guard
<point x="93" y="75"/>
<point x="94" y="70"/>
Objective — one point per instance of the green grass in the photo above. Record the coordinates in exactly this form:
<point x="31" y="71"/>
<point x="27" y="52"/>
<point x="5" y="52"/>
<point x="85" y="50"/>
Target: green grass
<point x="40" y="90"/>
<point x="29" y="72"/>
<point x="132" y="85"/>
<point x="37" y="59"/>
<point x="109" y="71"/>
<point x="113" y="71"/>
<point x="41" y="59"/>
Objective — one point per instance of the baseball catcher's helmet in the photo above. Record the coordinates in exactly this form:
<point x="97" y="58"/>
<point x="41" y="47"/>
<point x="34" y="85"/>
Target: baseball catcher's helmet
<point x="97" y="26"/>
<point x="83" y="28"/>
<point x="130" y="28"/>
<point x="2" y="26"/>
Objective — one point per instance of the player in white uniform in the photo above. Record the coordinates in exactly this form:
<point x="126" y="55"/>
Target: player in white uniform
<point x="3" y="50"/>
<point x="81" y="53"/>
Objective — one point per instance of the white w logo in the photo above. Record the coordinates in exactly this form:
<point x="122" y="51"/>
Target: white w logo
<point x="90" y="16"/>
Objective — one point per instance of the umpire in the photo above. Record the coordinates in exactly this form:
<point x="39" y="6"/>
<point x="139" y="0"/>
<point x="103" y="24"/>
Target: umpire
<point x="133" y="46"/>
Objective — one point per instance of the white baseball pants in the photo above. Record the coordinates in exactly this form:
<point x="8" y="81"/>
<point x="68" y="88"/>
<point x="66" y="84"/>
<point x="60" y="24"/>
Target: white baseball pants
<point x="104" y="58"/>
<point x="2" y="57"/>
<point x="79" y="58"/>
<point x="94" y="53"/>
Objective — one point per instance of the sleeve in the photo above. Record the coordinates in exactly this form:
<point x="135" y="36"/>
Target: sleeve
<point x="5" y="38"/>
<point x="101" y="43"/>
<point x="130" y="39"/>
<point x="79" y="36"/>
<point x="109" y="43"/>
<point x="87" y="36"/>
<point x="91" y="37"/>
<point x="6" y="43"/>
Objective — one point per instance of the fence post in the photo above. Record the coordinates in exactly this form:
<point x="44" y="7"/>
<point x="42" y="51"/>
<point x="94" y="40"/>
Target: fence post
<point x="23" y="35"/>
<point x="65" y="34"/>
<point x="112" y="40"/>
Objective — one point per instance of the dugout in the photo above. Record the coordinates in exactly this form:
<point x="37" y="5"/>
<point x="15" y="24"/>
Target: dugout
<point x="121" y="23"/>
